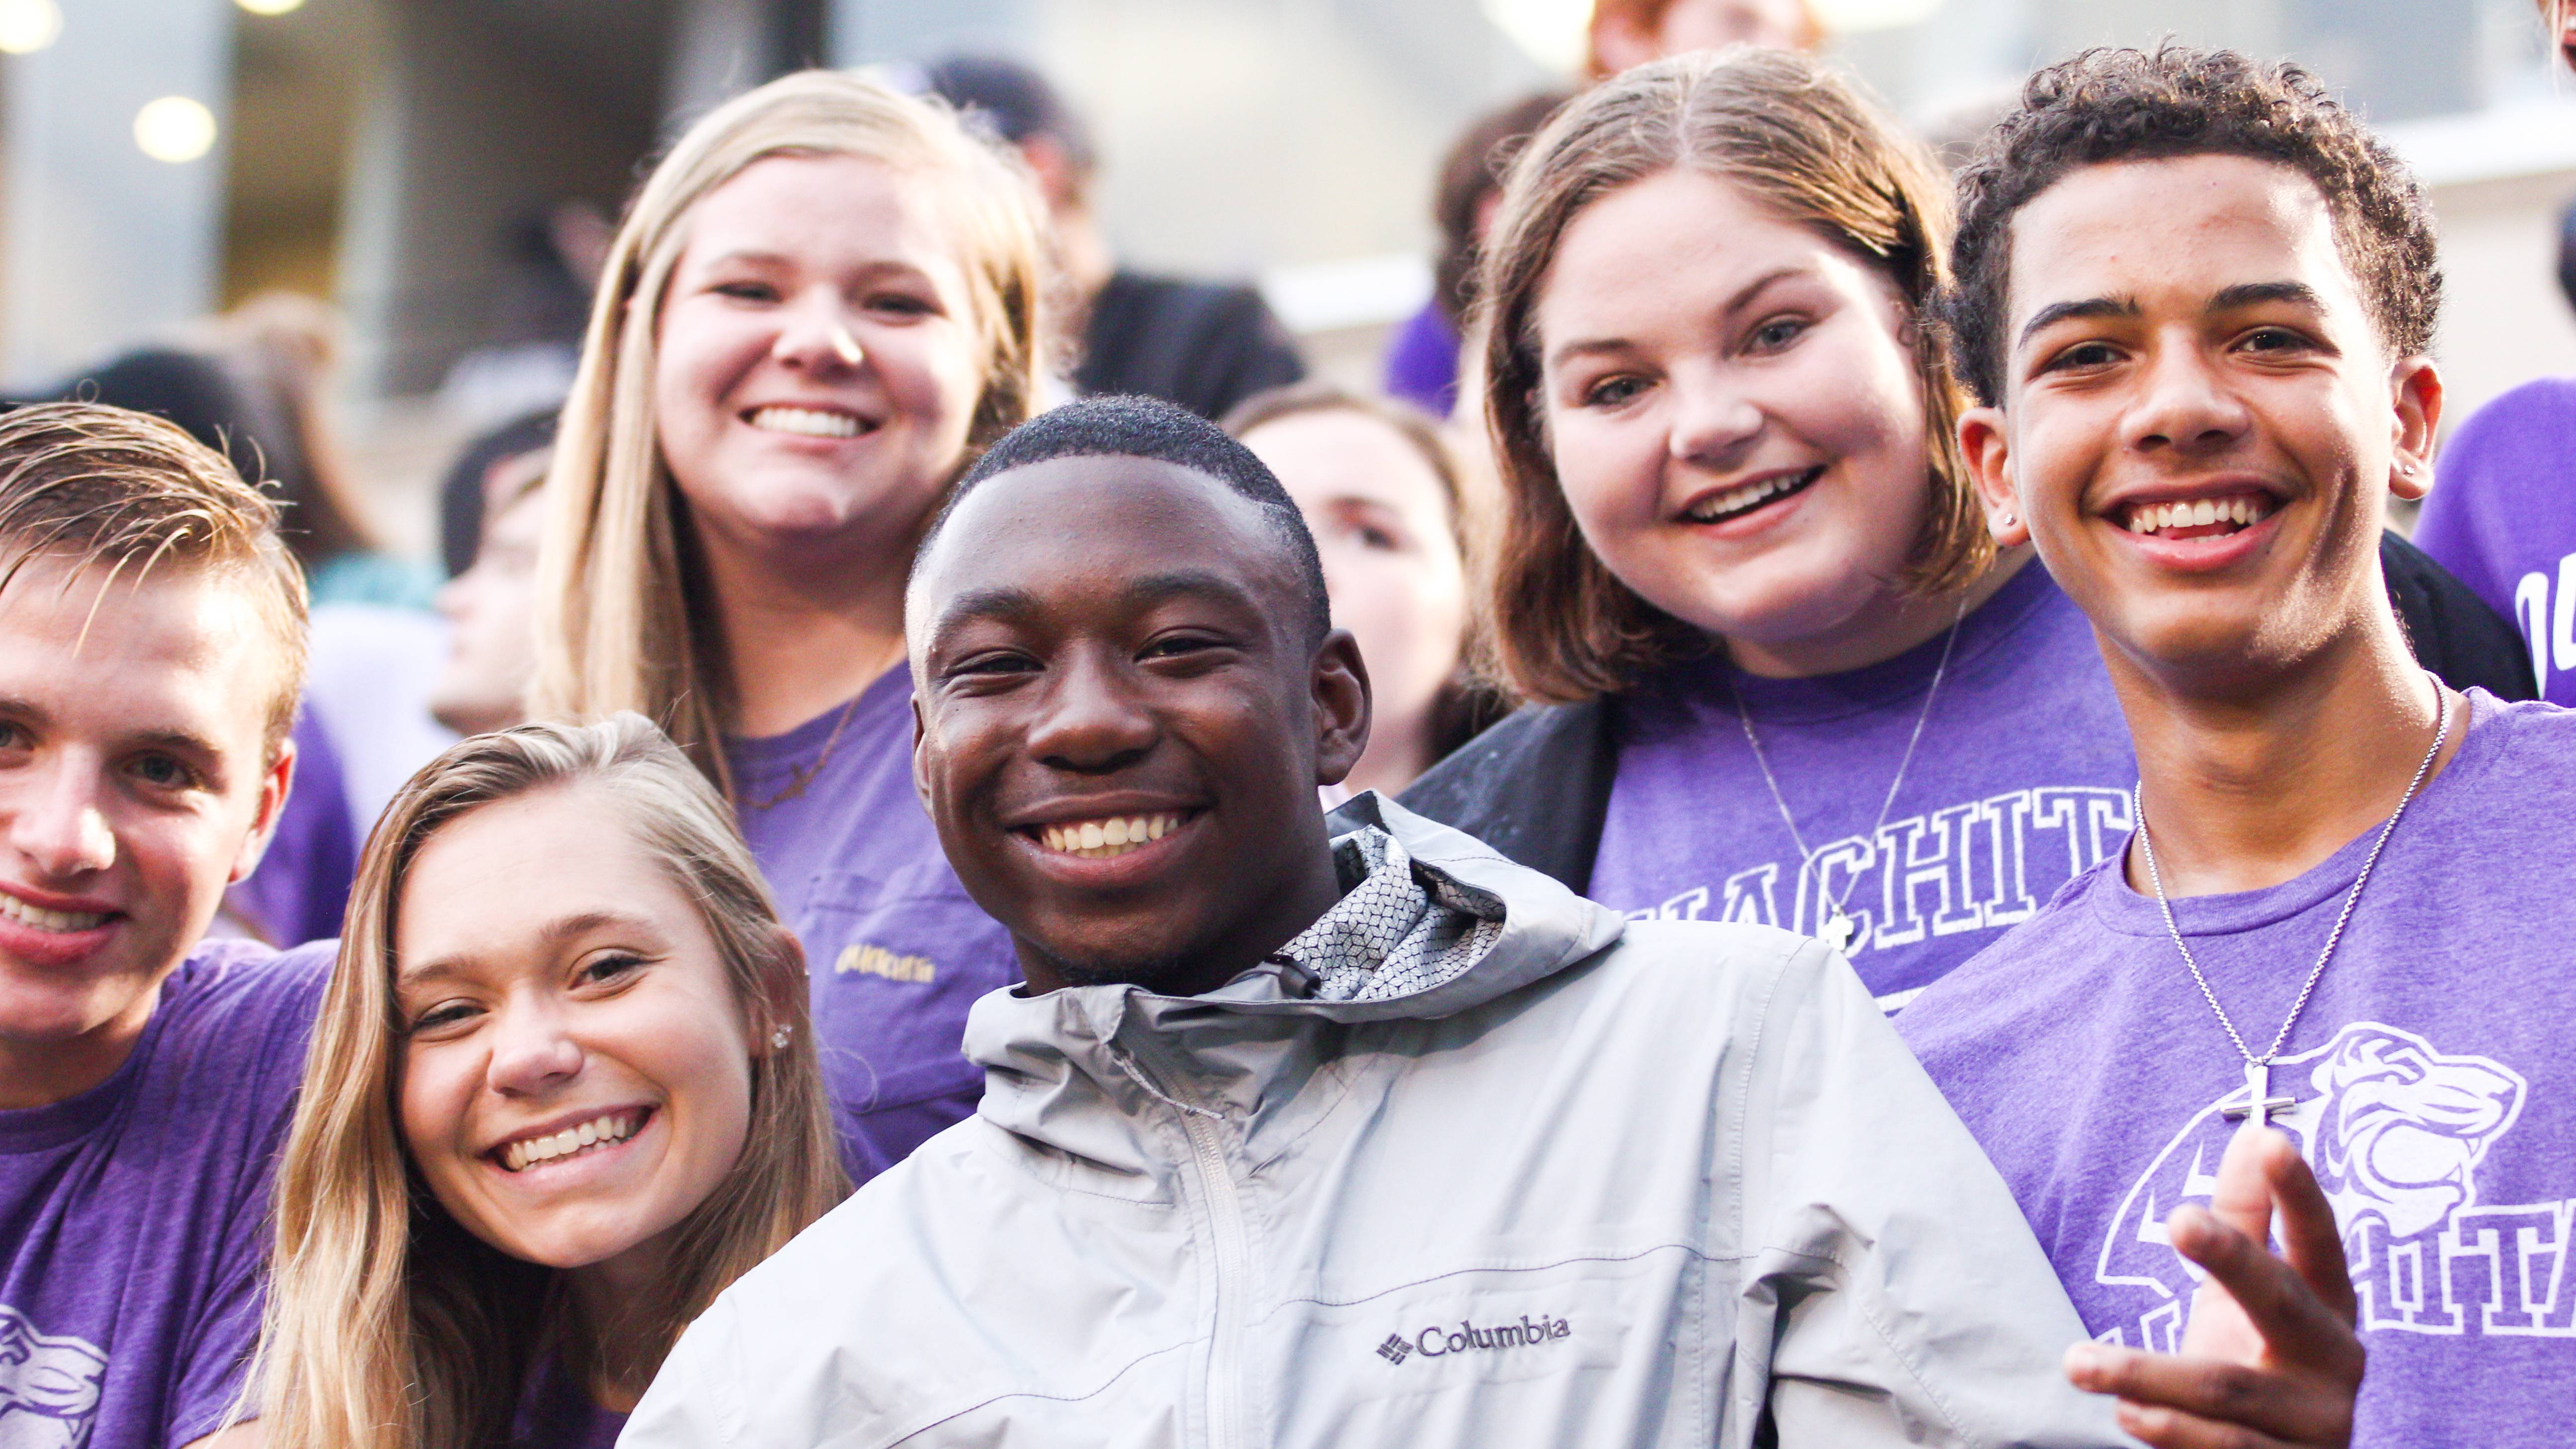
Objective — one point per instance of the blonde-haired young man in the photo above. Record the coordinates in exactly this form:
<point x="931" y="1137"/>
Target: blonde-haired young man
<point x="151" y="652"/>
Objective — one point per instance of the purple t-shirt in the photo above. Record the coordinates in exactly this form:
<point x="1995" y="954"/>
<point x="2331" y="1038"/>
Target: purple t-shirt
<point x="301" y="889"/>
<point x="2020" y="783"/>
<point x="1422" y="362"/>
<point x="895" y="948"/>
<point x="2435" y="1092"/>
<point x="134" y="1217"/>
<point x="2503" y="518"/>
<point x="555" y="1413"/>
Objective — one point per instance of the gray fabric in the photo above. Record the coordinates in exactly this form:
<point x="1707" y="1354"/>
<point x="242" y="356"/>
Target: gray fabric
<point x="1655" y="1183"/>
<point x="1395" y="931"/>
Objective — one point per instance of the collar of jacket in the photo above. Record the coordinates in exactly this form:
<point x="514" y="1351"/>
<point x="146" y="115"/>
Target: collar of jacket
<point x="1103" y="1074"/>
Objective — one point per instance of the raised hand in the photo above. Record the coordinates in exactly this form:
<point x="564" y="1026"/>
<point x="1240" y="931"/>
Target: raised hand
<point x="2270" y="1357"/>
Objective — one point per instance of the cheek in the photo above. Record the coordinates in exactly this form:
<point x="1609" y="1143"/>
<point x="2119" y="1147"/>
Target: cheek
<point x="697" y="358"/>
<point x="1610" y="466"/>
<point x="934" y="374"/>
<point x="432" y="1098"/>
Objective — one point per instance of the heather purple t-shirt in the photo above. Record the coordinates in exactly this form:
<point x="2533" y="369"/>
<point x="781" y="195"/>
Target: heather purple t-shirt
<point x="2503" y="518"/>
<point x="894" y="947"/>
<point x="2020" y="783"/>
<point x="134" y="1217"/>
<point x="555" y="1413"/>
<point x="2435" y="1091"/>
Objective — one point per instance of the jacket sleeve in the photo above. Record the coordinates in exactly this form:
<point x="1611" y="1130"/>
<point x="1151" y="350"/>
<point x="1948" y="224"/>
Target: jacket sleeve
<point x="1905" y="1299"/>
<point x="695" y="1402"/>
<point x="2452" y="631"/>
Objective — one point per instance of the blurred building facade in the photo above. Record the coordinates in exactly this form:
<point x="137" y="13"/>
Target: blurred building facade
<point x="424" y="163"/>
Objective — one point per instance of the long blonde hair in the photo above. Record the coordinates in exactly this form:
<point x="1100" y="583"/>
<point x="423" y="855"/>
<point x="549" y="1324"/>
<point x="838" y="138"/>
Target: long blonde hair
<point x="388" y="1325"/>
<point x="623" y="617"/>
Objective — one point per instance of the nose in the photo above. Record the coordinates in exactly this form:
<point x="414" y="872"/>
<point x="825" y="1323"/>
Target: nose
<point x="60" y="825"/>
<point x="1092" y="722"/>
<point x="2183" y="405"/>
<point x="533" y="1049"/>
<point x="814" y="335"/>
<point x="1715" y="421"/>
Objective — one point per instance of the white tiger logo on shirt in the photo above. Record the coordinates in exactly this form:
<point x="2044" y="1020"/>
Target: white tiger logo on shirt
<point x="49" y="1386"/>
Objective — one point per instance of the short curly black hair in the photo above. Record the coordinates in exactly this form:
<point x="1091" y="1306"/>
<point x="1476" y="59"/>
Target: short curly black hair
<point x="2108" y="105"/>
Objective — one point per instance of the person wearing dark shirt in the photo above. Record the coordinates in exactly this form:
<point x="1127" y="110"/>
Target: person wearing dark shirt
<point x="1204" y="345"/>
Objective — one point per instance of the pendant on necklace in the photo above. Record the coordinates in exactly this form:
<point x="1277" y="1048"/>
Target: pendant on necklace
<point x="2259" y="1102"/>
<point x="1838" y="931"/>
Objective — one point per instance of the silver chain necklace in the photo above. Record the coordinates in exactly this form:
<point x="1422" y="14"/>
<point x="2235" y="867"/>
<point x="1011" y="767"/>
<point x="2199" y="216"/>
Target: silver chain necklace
<point x="1836" y="929"/>
<point x="2259" y="1102"/>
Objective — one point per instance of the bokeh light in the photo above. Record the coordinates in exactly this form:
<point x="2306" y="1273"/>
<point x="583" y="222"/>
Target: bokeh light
<point x="174" y="129"/>
<point x="28" y="26"/>
<point x="269" y="7"/>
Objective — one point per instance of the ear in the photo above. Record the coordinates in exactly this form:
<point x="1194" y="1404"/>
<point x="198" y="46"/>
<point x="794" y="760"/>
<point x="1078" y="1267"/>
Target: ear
<point x="777" y="1006"/>
<point x="1985" y="442"/>
<point x="920" y="752"/>
<point x="274" y="783"/>
<point x="1341" y="688"/>
<point x="2415" y="394"/>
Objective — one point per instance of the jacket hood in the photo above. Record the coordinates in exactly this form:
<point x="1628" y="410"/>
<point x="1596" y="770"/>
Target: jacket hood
<point x="1072" y="1069"/>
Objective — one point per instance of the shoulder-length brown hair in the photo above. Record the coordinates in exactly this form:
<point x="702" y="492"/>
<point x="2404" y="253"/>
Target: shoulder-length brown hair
<point x="622" y="617"/>
<point x="388" y="1325"/>
<point x="1805" y="143"/>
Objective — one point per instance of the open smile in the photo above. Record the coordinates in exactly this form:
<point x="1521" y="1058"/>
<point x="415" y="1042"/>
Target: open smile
<point x="2200" y="517"/>
<point x="585" y="1138"/>
<point x="1744" y="498"/>
<point x="808" y="422"/>
<point x="1109" y="837"/>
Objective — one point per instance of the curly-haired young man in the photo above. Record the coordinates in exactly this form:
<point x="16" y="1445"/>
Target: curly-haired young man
<point x="2195" y="299"/>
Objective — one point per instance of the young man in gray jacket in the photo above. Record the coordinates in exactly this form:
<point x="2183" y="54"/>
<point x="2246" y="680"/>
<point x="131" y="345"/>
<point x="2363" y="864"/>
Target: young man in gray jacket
<point x="1351" y="1134"/>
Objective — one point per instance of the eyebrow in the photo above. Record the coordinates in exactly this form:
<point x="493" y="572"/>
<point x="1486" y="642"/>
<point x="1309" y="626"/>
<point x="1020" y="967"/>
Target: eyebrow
<point x="2056" y="312"/>
<point x="179" y="741"/>
<point x="1012" y="603"/>
<point x="2226" y="299"/>
<point x="1734" y="304"/>
<point x="554" y="932"/>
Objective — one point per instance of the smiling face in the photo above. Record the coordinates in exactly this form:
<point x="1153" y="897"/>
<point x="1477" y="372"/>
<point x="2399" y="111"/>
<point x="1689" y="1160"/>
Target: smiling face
<point x="818" y="362"/>
<point x="1381" y="521"/>
<point x="1736" y="419"/>
<point x="575" y="1072"/>
<point x="2201" y="425"/>
<point x="1123" y="721"/>
<point x="134" y="786"/>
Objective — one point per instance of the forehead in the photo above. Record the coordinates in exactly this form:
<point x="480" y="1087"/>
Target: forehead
<point x="822" y="212"/>
<point x="2175" y="231"/>
<point x="183" y="650"/>
<point x="1333" y="453"/>
<point x="1073" y="529"/>
<point x="1672" y="246"/>
<point x="493" y="879"/>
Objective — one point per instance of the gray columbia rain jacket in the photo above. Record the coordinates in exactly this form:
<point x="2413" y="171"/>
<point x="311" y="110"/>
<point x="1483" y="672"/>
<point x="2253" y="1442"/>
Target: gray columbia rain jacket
<point x="1486" y="1166"/>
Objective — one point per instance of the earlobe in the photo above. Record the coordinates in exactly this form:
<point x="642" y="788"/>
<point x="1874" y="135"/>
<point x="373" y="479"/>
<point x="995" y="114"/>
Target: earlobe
<point x="2417" y="400"/>
<point x="275" y="783"/>
<point x="1986" y="449"/>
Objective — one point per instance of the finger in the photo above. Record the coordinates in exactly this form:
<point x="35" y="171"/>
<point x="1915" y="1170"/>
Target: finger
<point x="2310" y="1237"/>
<point x="2173" y="1429"/>
<point x="2298" y="1407"/>
<point x="2297" y="1326"/>
<point x="2242" y="1195"/>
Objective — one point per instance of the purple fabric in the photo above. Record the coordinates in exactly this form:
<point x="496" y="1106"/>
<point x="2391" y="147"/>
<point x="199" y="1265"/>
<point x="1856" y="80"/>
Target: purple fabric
<point x="2503" y="518"/>
<point x="301" y="889"/>
<point x="2020" y="782"/>
<point x="1422" y="362"/>
<point x="134" y="1217"/>
<point x="555" y="1413"/>
<point x="894" y="946"/>
<point x="2436" y="1096"/>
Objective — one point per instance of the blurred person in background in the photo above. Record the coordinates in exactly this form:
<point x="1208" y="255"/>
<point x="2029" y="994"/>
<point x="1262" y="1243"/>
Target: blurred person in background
<point x="562" y="1092"/>
<point x="1381" y="491"/>
<point x="1627" y="33"/>
<point x="467" y="491"/>
<point x="1204" y="345"/>
<point x="1422" y="358"/>
<point x="824" y="302"/>
<point x="2502" y="513"/>
<point x="490" y="606"/>
<point x="532" y="327"/>
<point x="1786" y="674"/>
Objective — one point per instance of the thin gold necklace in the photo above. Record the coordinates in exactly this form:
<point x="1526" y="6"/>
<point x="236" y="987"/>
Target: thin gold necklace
<point x="802" y="777"/>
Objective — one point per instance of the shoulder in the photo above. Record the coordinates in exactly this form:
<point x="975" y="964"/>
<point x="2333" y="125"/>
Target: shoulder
<point x="2537" y="416"/>
<point x="2014" y="977"/>
<point x="240" y="1014"/>
<point x="2527" y="736"/>
<point x="1534" y="787"/>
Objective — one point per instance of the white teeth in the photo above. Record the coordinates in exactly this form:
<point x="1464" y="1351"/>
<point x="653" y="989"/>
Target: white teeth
<point x="615" y="1127"/>
<point x="1736" y="500"/>
<point x="45" y="920"/>
<point x="2243" y="511"/>
<point x="1102" y="839"/>
<point x="806" y="421"/>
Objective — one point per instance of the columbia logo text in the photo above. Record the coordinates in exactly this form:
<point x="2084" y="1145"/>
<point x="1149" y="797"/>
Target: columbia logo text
<point x="1440" y="1341"/>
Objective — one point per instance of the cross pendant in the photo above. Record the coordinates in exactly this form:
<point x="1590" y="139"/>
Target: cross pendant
<point x="2259" y="1102"/>
<point x="1837" y="931"/>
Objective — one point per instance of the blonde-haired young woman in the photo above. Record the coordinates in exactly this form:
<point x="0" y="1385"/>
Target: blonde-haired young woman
<point x="560" y="1094"/>
<point x="1784" y="673"/>
<point x="822" y="304"/>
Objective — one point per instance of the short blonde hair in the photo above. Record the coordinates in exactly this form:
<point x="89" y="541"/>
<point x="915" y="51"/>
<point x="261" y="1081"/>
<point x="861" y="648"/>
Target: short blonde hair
<point x="390" y="1327"/>
<point x="1802" y="141"/>
<point x="105" y="487"/>
<point x="623" y="621"/>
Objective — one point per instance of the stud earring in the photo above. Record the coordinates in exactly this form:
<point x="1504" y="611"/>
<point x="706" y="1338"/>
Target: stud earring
<point x="778" y="1038"/>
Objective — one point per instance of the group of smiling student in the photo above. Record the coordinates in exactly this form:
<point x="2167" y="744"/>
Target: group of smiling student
<point x="1883" y="612"/>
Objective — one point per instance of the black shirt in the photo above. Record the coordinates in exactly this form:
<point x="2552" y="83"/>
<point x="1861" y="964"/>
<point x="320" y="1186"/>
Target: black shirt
<point x="1204" y="345"/>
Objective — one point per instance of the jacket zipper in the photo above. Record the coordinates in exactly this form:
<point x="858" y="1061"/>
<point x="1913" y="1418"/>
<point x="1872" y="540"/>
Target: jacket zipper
<point x="1233" y="1253"/>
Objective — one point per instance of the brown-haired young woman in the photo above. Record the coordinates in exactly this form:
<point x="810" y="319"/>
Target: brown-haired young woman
<point x="1786" y="676"/>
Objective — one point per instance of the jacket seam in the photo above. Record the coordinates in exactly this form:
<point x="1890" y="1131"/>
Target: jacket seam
<point x="1498" y="1266"/>
<point x="1095" y="1391"/>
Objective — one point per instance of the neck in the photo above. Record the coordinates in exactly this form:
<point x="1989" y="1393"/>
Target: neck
<point x="802" y="635"/>
<point x="2254" y="781"/>
<point x="1891" y="624"/>
<point x="41" y="1073"/>
<point x="614" y="1307"/>
<point x="1238" y="946"/>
